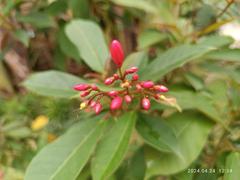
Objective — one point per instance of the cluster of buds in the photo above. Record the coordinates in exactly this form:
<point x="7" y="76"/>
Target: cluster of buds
<point x="131" y="87"/>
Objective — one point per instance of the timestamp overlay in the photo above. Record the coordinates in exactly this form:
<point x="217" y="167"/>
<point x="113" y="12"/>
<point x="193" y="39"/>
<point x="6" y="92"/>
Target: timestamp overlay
<point x="209" y="170"/>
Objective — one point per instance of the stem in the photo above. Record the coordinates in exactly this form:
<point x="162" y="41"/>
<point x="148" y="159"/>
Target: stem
<point x="225" y="9"/>
<point x="121" y="74"/>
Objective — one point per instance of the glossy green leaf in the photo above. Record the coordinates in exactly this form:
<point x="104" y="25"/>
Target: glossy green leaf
<point x="157" y="133"/>
<point x="52" y="83"/>
<point x="232" y="166"/>
<point x="192" y="130"/>
<point x="138" y="4"/>
<point x="150" y="37"/>
<point x="113" y="147"/>
<point x="66" y="157"/>
<point x="89" y="40"/>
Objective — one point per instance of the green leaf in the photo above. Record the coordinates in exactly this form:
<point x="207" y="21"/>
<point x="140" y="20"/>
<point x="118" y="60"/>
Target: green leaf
<point x="216" y="41"/>
<point x="134" y="167"/>
<point x="233" y="165"/>
<point x="56" y="7"/>
<point x="205" y="16"/>
<point x="192" y="130"/>
<point x="80" y="8"/>
<point x="225" y="55"/>
<point x="195" y="81"/>
<point x="138" y="4"/>
<point x="173" y="58"/>
<point x="66" y="157"/>
<point x="138" y="59"/>
<point x="52" y="83"/>
<point x="89" y="40"/>
<point x="150" y="37"/>
<point x="67" y="47"/>
<point x="37" y="19"/>
<point x="192" y="100"/>
<point x="178" y="56"/>
<point x="113" y="147"/>
<point x="157" y="133"/>
<point x="22" y="36"/>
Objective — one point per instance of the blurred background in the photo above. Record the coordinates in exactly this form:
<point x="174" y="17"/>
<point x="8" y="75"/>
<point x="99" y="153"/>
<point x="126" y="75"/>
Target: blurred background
<point x="33" y="39"/>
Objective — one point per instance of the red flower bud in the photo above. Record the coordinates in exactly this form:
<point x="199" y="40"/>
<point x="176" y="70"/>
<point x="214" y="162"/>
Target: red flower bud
<point x="127" y="99"/>
<point x="117" y="53"/>
<point x="85" y="93"/>
<point x="93" y="104"/>
<point x="135" y="77"/>
<point x="131" y="70"/>
<point x="98" y="108"/>
<point x="109" y="81"/>
<point x="112" y="93"/>
<point x="81" y="87"/>
<point x="94" y="87"/>
<point x="116" y="103"/>
<point x="116" y="76"/>
<point x="161" y="88"/>
<point x="147" y="84"/>
<point x="146" y="103"/>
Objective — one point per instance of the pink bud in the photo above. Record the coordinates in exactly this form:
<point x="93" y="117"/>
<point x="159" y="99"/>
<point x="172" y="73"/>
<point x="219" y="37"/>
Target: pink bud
<point x="93" y="104"/>
<point x="81" y="87"/>
<point x="116" y="76"/>
<point x="94" y="87"/>
<point x="139" y="87"/>
<point x="147" y="84"/>
<point x="109" y="81"/>
<point x="116" y="103"/>
<point x="112" y="93"/>
<point x="146" y="103"/>
<point x="127" y="99"/>
<point x="98" y="108"/>
<point x="117" y="53"/>
<point x="161" y="88"/>
<point x="135" y="77"/>
<point x="131" y="70"/>
<point x="85" y="93"/>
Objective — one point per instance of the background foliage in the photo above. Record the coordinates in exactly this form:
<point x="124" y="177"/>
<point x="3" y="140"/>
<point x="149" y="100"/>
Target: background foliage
<point x="48" y="46"/>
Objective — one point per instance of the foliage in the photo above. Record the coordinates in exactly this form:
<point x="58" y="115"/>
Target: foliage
<point x="177" y="43"/>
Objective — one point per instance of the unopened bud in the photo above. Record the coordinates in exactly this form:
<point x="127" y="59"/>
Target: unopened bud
<point x="161" y="88"/>
<point x="147" y="84"/>
<point x="85" y="93"/>
<point x="116" y="103"/>
<point x="146" y="103"/>
<point x="117" y="53"/>
<point x="83" y="105"/>
<point x="81" y="87"/>
<point x="98" y="108"/>
<point x="112" y="93"/>
<point x="127" y="99"/>
<point x="131" y="70"/>
<point x="135" y="77"/>
<point x="109" y="80"/>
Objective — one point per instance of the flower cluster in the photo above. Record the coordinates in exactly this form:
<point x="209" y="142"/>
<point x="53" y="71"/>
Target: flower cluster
<point x="131" y="87"/>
